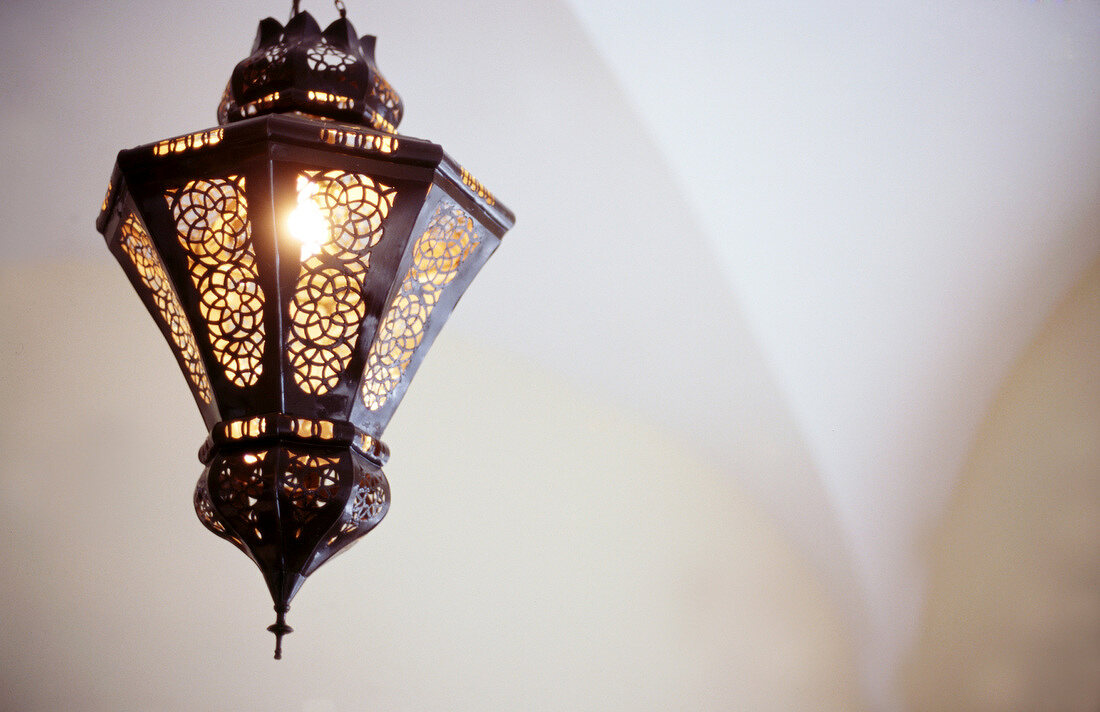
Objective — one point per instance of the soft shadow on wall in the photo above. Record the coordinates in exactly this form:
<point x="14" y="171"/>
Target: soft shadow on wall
<point x="1012" y="620"/>
<point x="545" y="550"/>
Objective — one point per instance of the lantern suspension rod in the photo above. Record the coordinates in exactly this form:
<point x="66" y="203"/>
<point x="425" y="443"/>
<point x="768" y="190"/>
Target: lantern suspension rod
<point x="294" y="7"/>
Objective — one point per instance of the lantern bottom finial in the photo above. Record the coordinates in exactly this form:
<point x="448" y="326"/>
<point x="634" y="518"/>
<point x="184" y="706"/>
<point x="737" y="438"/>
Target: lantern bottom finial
<point x="280" y="628"/>
<point x="290" y="505"/>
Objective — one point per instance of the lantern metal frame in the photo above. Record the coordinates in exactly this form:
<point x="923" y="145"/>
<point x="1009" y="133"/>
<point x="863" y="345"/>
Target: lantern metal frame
<point x="297" y="359"/>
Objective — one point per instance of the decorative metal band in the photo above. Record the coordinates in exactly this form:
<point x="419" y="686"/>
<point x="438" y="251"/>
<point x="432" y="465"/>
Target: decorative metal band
<point x="327" y="309"/>
<point x="474" y="185"/>
<point x="379" y="122"/>
<point x="107" y="198"/>
<point x="253" y="107"/>
<point x="138" y="247"/>
<point x="340" y="102"/>
<point x="359" y="140"/>
<point x="189" y="142"/>
<point x="280" y="426"/>
<point x="212" y="225"/>
<point x="449" y="239"/>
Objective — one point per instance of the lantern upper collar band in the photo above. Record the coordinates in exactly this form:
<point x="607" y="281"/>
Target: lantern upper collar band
<point x="330" y="74"/>
<point x="299" y="258"/>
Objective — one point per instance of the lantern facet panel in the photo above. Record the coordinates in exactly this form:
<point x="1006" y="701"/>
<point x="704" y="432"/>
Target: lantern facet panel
<point x="300" y="259"/>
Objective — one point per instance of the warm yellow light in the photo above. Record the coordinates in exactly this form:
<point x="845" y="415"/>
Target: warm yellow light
<point x="251" y="459"/>
<point x="306" y="222"/>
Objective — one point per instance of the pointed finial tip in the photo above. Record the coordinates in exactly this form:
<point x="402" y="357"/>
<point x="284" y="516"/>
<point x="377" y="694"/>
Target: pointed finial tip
<point x="280" y="628"/>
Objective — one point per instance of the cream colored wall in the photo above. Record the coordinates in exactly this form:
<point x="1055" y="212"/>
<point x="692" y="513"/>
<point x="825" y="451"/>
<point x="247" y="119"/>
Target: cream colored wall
<point x="1012" y="621"/>
<point x="544" y="550"/>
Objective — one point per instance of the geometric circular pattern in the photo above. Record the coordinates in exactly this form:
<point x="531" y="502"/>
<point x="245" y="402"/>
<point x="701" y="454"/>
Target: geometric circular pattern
<point x="327" y="309"/>
<point x="448" y="240"/>
<point x="291" y="506"/>
<point x="212" y="225"/>
<point x="137" y="245"/>
<point x="310" y="481"/>
<point x="323" y="57"/>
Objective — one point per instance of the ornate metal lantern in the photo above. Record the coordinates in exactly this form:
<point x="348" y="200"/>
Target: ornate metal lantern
<point x="300" y="259"/>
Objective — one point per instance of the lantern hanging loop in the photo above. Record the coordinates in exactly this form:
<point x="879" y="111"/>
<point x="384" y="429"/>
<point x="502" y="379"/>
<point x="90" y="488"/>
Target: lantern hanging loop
<point x="339" y="4"/>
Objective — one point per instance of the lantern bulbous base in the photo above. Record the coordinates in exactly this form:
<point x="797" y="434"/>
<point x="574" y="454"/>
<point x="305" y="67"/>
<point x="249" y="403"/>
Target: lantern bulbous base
<point x="290" y="506"/>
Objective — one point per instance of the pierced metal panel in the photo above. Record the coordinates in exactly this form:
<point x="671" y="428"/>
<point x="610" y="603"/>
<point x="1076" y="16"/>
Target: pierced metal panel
<point x="138" y="247"/>
<point x="449" y="239"/>
<point x="290" y="507"/>
<point x="370" y="499"/>
<point x="324" y="57"/>
<point x="212" y="225"/>
<point x="339" y="218"/>
<point x="190" y="142"/>
<point x="300" y="68"/>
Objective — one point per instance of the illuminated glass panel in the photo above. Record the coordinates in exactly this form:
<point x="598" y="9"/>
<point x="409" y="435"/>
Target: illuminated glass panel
<point x="212" y="225"/>
<point x="138" y="247"/>
<point x="339" y="219"/>
<point x="437" y="254"/>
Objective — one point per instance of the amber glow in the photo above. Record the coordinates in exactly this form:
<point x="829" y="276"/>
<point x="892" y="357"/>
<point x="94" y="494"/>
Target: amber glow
<point x="212" y="225"/>
<point x="437" y="255"/>
<point x="379" y="122"/>
<point x="263" y="102"/>
<point x="137" y="245"/>
<point x="188" y="142"/>
<point x="475" y="185"/>
<point x="360" y="140"/>
<point x="307" y="223"/>
<point x="340" y="102"/>
<point x="347" y="211"/>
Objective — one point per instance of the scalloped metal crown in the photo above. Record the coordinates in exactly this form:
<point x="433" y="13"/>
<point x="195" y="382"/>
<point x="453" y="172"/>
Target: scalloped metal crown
<point x="330" y="74"/>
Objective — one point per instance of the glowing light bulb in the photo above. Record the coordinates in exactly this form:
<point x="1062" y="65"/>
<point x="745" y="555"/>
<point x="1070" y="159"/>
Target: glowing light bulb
<point x="306" y="222"/>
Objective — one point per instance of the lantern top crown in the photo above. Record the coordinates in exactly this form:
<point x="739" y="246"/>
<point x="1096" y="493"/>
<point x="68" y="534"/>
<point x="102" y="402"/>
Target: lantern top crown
<point x="298" y="67"/>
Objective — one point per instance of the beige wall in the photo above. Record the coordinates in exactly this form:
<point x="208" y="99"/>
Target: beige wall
<point x="1012" y="621"/>
<point x="544" y="551"/>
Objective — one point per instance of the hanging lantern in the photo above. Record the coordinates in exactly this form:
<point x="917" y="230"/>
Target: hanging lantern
<point x="300" y="259"/>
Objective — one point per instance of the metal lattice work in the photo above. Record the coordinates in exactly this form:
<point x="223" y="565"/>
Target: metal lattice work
<point x="267" y="66"/>
<point x="387" y="96"/>
<point x="212" y="225"/>
<point x="205" y="509"/>
<point x="327" y="309"/>
<point x="323" y="57"/>
<point x="331" y="73"/>
<point x="291" y="506"/>
<point x="138" y="247"/>
<point x="370" y="499"/>
<point x="242" y="492"/>
<point x="437" y="254"/>
<point x="310" y="482"/>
